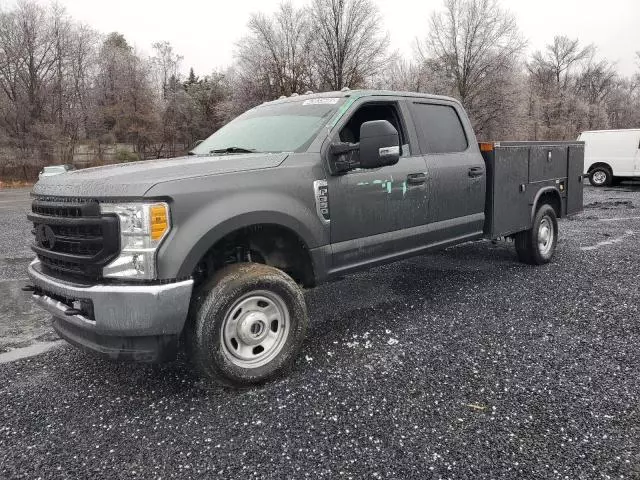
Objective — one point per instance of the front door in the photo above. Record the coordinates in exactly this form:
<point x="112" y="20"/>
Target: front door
<point x="376" y="213"/>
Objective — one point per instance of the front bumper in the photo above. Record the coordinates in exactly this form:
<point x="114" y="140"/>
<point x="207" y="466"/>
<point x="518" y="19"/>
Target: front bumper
<point x="137" y="322"/>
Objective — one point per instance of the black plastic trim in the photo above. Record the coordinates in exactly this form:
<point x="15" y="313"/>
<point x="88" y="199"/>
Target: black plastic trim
<point x="146" y="349"/>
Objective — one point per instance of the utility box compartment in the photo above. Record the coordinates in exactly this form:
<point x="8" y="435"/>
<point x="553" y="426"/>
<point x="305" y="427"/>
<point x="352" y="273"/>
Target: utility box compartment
<point x="519" y="172"/>
<point x="547" y="162"/>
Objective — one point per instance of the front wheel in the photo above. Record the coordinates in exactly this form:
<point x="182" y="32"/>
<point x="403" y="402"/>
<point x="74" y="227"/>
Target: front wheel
<point x="537" y="245"/>
<point x="246" y="325"/>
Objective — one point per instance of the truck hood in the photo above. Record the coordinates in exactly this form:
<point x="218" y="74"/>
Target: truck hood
<point x="136" y="178"/>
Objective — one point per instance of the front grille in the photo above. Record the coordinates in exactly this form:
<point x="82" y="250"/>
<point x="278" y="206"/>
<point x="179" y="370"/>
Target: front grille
<point x="57" y="211"/>
<point x="72" y="237"/>
<point x="70" y="268"/>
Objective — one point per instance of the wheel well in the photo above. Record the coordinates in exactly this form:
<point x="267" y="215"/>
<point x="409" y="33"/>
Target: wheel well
<point x="552" y="198"/>
<point x="599" y="164"/>
<point x="269" y="244"/>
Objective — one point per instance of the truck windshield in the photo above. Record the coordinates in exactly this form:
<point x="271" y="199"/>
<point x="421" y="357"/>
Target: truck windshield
<point x="283" y="127"/>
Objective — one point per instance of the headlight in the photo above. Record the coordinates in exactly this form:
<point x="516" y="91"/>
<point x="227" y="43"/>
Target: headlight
<point x="143" y="226"/>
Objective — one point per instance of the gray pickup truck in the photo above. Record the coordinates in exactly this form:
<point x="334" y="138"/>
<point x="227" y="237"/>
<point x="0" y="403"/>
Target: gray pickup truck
<point x="211" y="250"/>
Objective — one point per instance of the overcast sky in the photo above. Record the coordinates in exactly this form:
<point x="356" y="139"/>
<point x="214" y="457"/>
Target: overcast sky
<point x="204" y="32"/>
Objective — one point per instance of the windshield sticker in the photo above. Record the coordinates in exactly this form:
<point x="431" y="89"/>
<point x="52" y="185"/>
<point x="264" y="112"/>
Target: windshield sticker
<point x="321" y="101"/>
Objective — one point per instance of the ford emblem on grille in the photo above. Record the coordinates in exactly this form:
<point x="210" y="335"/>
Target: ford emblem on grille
<point x="45" y="237"/>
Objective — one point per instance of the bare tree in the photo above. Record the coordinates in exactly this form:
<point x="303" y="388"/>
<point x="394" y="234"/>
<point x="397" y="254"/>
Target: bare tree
<point x="350" y="48"/>
<point x="568" y="89"/>
<point x="559" y="57"/>
<point x="29" y="56"/>
<point x="212" y="100"/>
<point x="11" y="63"/>
<point x="82" y="70"/>
<point x="623" y="104"/>
<point x="166" y="64"/>
<point x="474" y="46"/>
<point x="595" y="84"/>
<point x="65" y="89"/>
<point x="125" y="101"/>
<point x="402" y="74"/>
<point x="274" y="58"/>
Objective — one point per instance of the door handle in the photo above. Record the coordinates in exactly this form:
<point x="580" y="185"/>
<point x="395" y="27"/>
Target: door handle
<point x="416" y="178"/>
<point x="476" y="171"/>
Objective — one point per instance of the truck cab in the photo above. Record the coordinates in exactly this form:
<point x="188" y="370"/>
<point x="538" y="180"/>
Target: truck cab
<point x="418" y="195"/>
<point x="211" y="251"/>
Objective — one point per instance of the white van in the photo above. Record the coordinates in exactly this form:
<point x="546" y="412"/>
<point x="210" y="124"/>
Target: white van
<point x="611" y="155"/>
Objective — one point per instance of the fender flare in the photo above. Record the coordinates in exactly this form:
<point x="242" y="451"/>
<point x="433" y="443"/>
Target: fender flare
<point x="541" y="192"/>
<point x="229" y="225"/>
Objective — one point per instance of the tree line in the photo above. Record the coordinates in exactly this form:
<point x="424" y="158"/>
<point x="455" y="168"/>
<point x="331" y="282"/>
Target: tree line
<point x="64" y="86"/>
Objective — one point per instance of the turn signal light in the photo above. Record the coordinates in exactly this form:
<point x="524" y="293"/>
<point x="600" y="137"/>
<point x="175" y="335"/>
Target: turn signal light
<point x="159" y="221"/>
<point x="486" y="147"/>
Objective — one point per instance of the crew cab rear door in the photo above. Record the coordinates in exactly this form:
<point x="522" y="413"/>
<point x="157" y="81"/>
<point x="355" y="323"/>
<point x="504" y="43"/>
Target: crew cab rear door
<point x="456" y="172"/>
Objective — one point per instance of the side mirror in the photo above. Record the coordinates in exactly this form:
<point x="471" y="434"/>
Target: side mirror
<point x="379" y="144"/>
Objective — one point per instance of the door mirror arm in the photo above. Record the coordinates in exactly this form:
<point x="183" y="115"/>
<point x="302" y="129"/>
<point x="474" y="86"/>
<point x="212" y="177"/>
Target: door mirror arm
<point x="343" y="157"/>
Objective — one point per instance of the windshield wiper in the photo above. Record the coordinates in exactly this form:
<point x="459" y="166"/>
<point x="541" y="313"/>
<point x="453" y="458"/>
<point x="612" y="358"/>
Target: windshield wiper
<point x="233" y="150"/>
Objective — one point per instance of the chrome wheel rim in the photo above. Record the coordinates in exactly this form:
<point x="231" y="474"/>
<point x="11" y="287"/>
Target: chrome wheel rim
<point x="255" y="329"/>
<point x="545" y="236"/>
<point x="599" y="177"/>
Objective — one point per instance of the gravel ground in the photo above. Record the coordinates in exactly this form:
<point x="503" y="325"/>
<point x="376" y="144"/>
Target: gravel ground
<point x="15" y="233"/>
<point x="464" y="364"/>
<point x="22" y="323"/>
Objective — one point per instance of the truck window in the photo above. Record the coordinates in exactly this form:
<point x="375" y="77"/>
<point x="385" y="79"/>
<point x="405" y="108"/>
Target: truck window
<point x="288" y="126"/>
<point x="439" y="128"/>
<point x="351" y="131"/>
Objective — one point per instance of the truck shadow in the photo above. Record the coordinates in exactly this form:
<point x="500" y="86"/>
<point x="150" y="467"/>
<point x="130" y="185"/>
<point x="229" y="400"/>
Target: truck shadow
<point x="626" y="186"/>
<point x="414" y="286"/>
<point x="395" y="296"/>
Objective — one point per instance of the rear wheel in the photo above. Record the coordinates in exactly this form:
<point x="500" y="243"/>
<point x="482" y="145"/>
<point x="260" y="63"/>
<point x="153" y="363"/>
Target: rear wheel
<point x="537" y="245"/>
<point x="246" y="325"/>
<point x="600" y="177"/>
